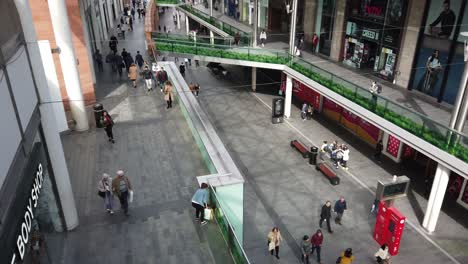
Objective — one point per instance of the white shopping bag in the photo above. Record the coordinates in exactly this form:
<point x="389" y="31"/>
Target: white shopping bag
<point x="130" y="196"/>
<point x="208" y="214"/>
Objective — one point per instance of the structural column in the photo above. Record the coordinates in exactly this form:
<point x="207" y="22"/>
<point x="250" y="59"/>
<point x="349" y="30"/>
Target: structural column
<point x="187" y="24"/>
<point x="292" y="34"/>
<point x="310" y="9"/>
<point x="288" y="97"/>
<point x="211" y="37"/>
<point x="178" y="19"/>
<point x="434" y="204"/>
<point x="338" y="31"/>
<point x="48" y="120"/>
<point x="255" y="23"/>
<point x="211" y="7"/>
<point x="62" y="33"/>
<point x="254" y="79"/>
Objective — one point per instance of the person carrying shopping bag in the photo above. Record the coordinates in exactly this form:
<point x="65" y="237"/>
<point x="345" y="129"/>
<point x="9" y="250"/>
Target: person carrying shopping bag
<point x="274" y="240"/>
<point x="200" y="202"/>
<point x="105" y="191"/>
<point x="133" y="74"/>
<point x="168" y="95"/>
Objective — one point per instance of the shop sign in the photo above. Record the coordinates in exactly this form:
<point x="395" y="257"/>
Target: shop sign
<point x="370" y="34"/>
<point x="373" y="10"/>
<point x="26" y="224"/>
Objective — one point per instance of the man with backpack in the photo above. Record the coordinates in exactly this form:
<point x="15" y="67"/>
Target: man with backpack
<point x="374" y="90"/>
<point x="122" y="187"/>
<point x="162" y="78"/>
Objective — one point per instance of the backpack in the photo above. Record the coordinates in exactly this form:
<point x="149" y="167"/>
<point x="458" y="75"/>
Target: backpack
<point x="123" y="185"/>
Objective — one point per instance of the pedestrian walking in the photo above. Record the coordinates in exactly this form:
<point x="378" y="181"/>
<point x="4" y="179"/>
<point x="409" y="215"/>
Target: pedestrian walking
<point x="130" y="23"/>
<point x="139" y="59"/>
<point x="122" y="187"/>
<point x="108" y="124"/>
<point x="165" y="29"/>
<point x="378" y="151"/>
<point x="133" y="3"/>
<point x="382" y="256"/>
<point x="315" y="41"/>
<point x="119" y="63"/>
<point x="200" y="202"/>
<point x="346" y="257"/>
<point x="237" y="38"/>
<point x="197" y="63"/>
<point x="325" y="215"/>
<point x="345" y="158"/>
<point x="98" y="59"/>
<point x="124" y="53"/>
<point x="128" y="61"/>
<point x="139" y="13"/>
<point x="159" y="28"/>
<point x="316" y="241"/>
<point x="148" y="75"/>
<point x="337" y="156"/>
<point x="105" y="191"/>
<point x="305" y="249"/>
<point x="121" y="29"/>
<point x="133" y="74"/>
<point x="182" y="68"/>
<point x="263" y="37"/>
<point x="133" y="13"/>
<point x="274" y="240"/>
<point x="168" y="96"/>
<point x="310" y="111"/>
<point x="375" y="89"/>
<point x="143" y="13"/>
<point x="304" y="111"/>
<point x="323" y="149"/>
<point x="113" y="43"/>
<point x="375" y="206"/>
<point x="162" y="78"/>
<point x="194" y="88"/>
<point x="339" y="208"/>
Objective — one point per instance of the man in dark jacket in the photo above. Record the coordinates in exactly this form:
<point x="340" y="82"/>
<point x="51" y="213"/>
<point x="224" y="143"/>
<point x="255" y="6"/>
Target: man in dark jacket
<point x="162" y="78"/>
<point x="325" y="215"/>
<point x="316" y="241"/>
<point x="148" y="75"/>
<point x="119" y="63"/>
<point x="340" y="206"/>
<point x="139" y="59"/>
<point x="128" y="61"/>
<point x="305" y="249"/>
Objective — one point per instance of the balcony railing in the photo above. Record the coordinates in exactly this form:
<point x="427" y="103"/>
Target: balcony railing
<point x="437" y="134"/>
<point x="168" y="2"/>
<point x="245" y="38"/>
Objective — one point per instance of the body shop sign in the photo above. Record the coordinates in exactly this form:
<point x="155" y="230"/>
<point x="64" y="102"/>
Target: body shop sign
<point x="28" y="217"/>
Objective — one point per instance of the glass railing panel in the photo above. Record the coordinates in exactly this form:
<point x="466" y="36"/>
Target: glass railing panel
<point x="459" y="147"/>
<point x="168" y="2"/>
<point x="265" y="55"/>
<point x="404" y="118"/>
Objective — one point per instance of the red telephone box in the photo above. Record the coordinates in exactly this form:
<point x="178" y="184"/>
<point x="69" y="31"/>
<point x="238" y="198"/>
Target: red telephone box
<point x="381" y="224"/>
<point x="396" y="224"/>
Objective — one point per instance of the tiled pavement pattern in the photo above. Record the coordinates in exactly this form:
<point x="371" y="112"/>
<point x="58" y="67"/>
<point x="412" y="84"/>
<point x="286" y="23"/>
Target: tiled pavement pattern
<point x="282" y="189"/>
<point x="156" y="149"/>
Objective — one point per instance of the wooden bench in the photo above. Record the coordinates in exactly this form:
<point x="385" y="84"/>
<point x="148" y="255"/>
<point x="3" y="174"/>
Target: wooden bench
<point x="299" y="146"/>
<point x="328" y="172"/>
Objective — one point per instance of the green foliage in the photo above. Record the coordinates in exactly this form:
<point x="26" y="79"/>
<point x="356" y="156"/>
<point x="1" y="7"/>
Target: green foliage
<point x="167" y="2"/>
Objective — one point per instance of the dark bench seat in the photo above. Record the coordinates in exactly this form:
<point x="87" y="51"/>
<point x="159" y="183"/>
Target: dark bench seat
<point x="328" y="172"/>
<point x="299" y="146"/>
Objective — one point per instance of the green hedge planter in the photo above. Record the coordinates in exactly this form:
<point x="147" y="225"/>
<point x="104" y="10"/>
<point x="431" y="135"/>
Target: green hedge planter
<point x="167" y="2"/>
<point x="418" y="129"/>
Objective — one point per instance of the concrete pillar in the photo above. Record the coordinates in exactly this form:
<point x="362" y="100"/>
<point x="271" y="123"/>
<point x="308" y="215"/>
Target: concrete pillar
<point x="87" y="41"/>
<point x="255" y="24"/>
<point x="292" y="32"/>
<point x="310" y="9"/>
<point x="288" y="97"/>
<point x="254" y="79"/>
<point x="211" y="7"/>
<point x="187" y="24"/>
<point x="211" y="38"/>
<point x="178" y="19"/>
<point x="434" y="204"/>
<point x="49" y="125"/>
<point x="62" y="33"/>
<point x="339" y="31"/>
<point x="409" y="43"/>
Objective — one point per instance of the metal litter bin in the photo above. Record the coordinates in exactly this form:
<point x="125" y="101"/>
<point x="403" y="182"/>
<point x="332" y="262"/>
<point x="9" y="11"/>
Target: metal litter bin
<point x="313" y="155"/>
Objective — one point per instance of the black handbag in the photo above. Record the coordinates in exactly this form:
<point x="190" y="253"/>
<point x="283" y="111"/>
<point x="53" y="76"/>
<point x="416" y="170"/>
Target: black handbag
<point x="102" y="194"/>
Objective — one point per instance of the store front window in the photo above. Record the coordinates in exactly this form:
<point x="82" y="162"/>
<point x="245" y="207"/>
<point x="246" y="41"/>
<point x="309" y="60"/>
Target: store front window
<point x="324" y="25"/>
<point x="439" y="61"/>
<point x="373" y="33"/>
<point x="34" y="214"/>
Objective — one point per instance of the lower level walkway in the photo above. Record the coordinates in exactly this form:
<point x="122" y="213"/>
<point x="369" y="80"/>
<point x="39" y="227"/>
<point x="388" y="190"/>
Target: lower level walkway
<point x="156" y="149"/>
<point x="283" y="190"/>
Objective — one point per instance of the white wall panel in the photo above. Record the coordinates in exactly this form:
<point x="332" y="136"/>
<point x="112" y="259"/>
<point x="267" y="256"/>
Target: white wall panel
<point x="22" y="85"/>
<point x="10" y="135"/>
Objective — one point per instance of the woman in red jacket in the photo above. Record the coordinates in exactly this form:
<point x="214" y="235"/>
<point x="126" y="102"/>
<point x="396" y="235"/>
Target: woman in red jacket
<point x="316" y="241"/>
<point x="108" y="123"/>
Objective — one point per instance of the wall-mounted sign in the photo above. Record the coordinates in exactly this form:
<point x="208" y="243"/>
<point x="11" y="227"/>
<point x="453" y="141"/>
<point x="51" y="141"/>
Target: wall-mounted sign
<point x="370" y="34"/>
<point x="26" y="224"/>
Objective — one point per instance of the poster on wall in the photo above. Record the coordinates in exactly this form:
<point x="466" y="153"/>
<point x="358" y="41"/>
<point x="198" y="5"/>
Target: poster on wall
<point x="368" y="132"/>
<point x="349" y="120"/>
<point x="331" y="109"/>
<point x="393" y="145"/>
<point x="432" y="58"/>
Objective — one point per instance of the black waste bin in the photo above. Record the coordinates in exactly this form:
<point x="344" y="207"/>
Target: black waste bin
<point x="277" y="110"/>
<point x="313" y="155"/>
<point x="98" y="111"/>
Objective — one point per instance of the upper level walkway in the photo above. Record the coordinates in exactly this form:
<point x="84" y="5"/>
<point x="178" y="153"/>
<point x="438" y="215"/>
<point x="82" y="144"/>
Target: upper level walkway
<point x="416" y="129"/>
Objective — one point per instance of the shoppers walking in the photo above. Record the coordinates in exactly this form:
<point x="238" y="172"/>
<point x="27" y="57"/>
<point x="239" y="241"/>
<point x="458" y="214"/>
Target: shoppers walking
<point x="237" y="38"/>
<point x="339" y="208"/>
<point x="124" y="53"/>
<point x="305" y="249"/>
<point x="274" y="240"/>
<point x="122" y="187"/>
<point x="378" y="151"/>
<point x="113" y="42"/>
<point x="315" y="41"/>
<point x="133" y="74"/>
<point x="162" y="78"/>
<point x="133" y="13"/>
<point x="105" y="191"/>
<point x="345" y="158"/>
<point x="98" y="59"/>
<point x="139" y="59"/>
<point x="108" y="123"/>
<point x="130" y="22"/>
<point x="325" y="215"/>
<point x="316" y="241"/>
<point x="323" y="149"/>
<point x="346" y="257"/>
<point x="263" y="37"/>
<point x="119" y="63"/>
<point x="148" y="75"/>
<point x="168" y="96"/>
<point x="200" y="202"/>
<point x="304" y="111"/>
<point x="382" y="256"/>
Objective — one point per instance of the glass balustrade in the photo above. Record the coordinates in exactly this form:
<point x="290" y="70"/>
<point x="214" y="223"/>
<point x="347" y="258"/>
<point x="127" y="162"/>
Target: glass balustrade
<point x="419" y="125"/>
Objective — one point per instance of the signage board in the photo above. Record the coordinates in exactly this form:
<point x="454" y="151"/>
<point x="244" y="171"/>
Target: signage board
<point x="389" y="190"/>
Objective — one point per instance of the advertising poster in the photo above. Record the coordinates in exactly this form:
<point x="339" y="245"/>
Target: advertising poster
<point x="368" y="132"/>
<point x="463" y="198"/>
<point x="349" y="120"/>
<point x="331" y="110"/>
<point x="393" y="145"/>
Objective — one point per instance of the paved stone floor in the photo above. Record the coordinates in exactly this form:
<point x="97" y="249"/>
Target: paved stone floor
<point x="156" y="149"/>
<point x="283" y="190"/>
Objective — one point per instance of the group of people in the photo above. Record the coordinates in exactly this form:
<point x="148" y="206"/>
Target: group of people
<point x="339" y="153"/>
<point x="120" y="186"/>
<point x="306" y="111"/>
